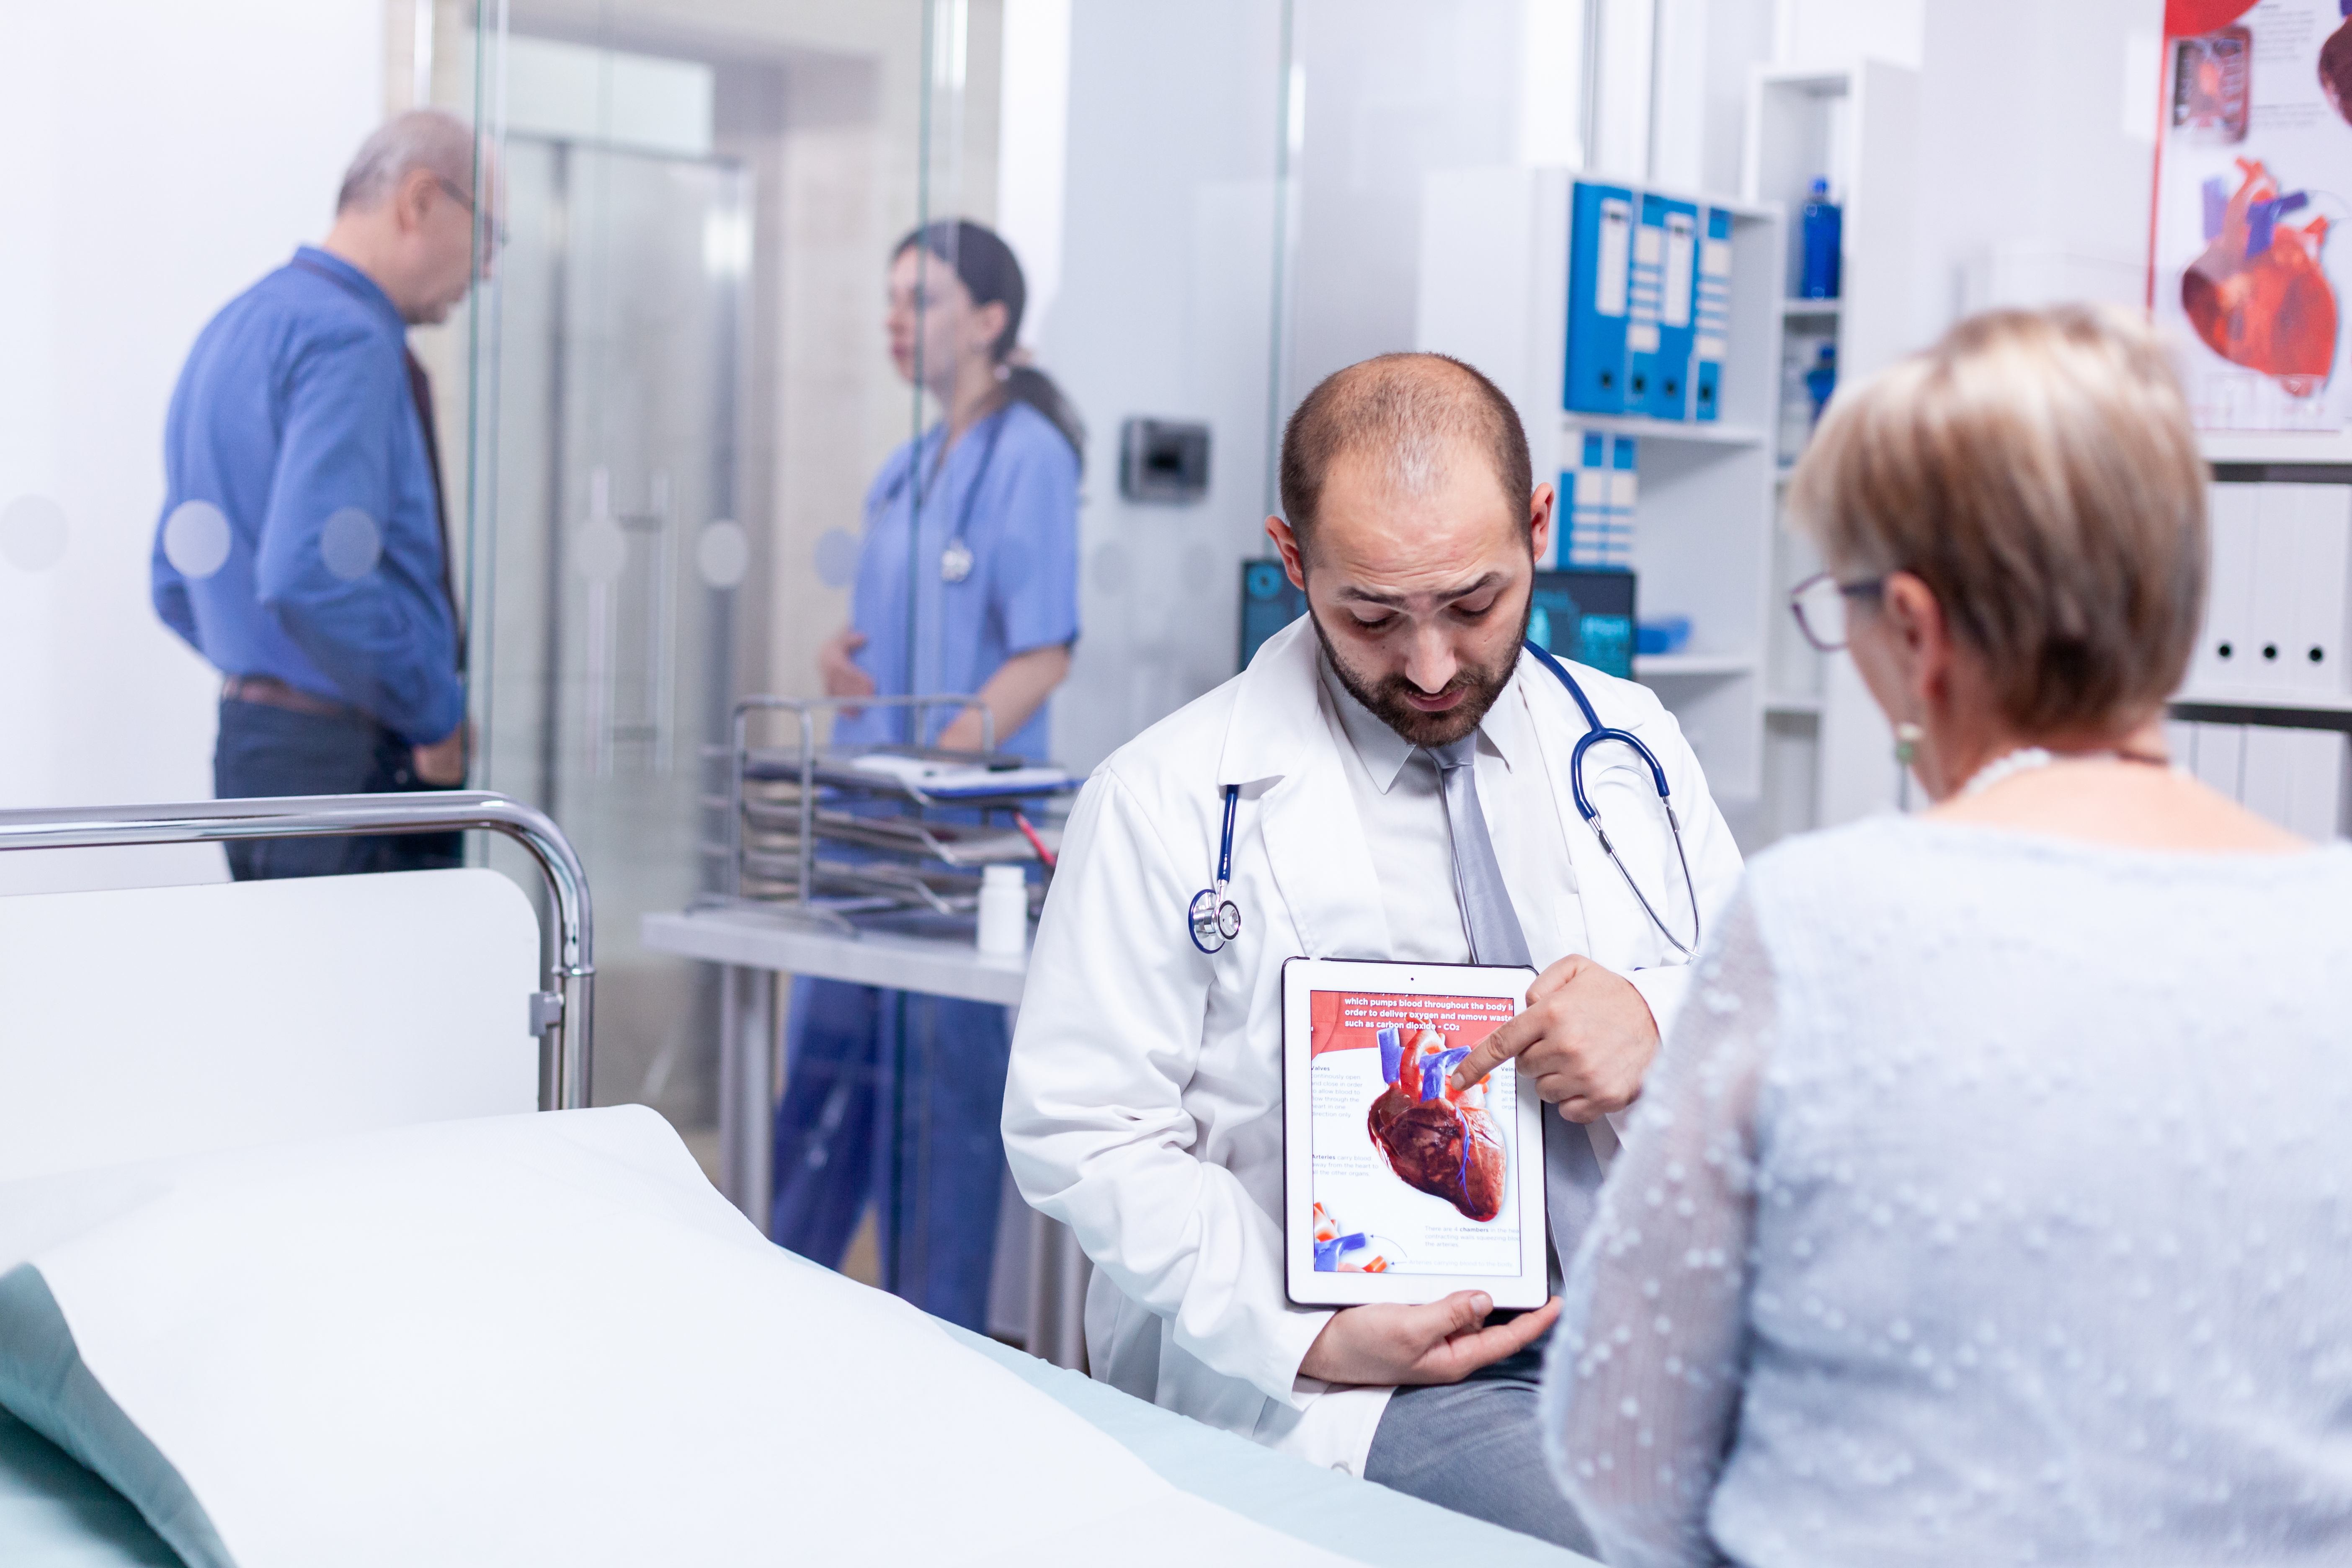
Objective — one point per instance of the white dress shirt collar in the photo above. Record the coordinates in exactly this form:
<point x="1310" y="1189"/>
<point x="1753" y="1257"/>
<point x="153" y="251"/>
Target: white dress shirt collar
<point x="1502" y="734"/>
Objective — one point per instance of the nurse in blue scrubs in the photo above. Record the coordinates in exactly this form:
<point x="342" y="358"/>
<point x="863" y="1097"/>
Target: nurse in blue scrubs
<point x="893" y="1098"/>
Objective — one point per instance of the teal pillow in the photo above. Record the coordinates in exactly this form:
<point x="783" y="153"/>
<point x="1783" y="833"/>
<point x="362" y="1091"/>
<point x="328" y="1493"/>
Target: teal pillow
<point x="55" y="1514"/>
<point x="45" y="1385"/>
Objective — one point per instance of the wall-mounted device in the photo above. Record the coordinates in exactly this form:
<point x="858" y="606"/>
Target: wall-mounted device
<point x="1163" y="460"/>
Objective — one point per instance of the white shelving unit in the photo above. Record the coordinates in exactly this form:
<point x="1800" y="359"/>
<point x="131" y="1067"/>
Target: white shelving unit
<point x="1827" y="750"/>
<point x="1495" y="246"/>
<point x="2278" y="786"/>
<point x="2266" y="702"/>
<point x="1690" y="666"/>
<point x="1711" y="433"/>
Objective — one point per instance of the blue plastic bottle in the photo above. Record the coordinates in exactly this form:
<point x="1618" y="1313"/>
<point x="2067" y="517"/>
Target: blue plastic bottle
<point x="1821" y="380"/>
<point x="1823" y="226"/>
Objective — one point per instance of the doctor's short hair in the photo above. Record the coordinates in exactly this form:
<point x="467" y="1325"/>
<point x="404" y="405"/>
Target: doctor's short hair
<point x="430" y="138"/>
<point x="1414" y="410"/>
<point x="2038" y="471"/>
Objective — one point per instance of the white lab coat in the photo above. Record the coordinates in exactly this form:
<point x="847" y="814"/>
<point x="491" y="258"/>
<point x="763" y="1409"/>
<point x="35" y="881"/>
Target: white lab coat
<point x="1143" y="1108"/>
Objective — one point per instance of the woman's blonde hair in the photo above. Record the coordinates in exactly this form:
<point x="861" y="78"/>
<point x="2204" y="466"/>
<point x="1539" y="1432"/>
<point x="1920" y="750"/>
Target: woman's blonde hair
<point x="2037" y="470"/>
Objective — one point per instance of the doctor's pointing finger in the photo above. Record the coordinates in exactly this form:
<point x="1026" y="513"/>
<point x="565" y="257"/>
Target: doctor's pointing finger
<point x="1584" y="1041"/>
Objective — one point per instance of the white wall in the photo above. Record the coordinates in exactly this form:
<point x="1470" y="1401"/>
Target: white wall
<point x="1836" y="32"/>
<point x="160" y="157"/>
<point x="1168" y="245"/>
<point x="2062" y="168"/>
<point x="1033" y="148"/>
<point x="1163" y="310"/>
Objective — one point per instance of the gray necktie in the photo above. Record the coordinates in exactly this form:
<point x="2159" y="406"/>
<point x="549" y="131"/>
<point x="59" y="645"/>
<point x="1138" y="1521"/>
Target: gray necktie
<point x="1571" y="1174"/>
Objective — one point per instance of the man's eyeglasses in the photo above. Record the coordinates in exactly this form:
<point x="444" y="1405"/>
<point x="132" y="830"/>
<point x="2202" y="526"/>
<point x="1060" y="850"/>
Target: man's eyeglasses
<point x="456" y="193"/>
<point x="1819" y="605"/>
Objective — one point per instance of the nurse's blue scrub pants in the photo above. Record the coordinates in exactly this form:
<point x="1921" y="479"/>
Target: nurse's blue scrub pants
<point x="896" y="1098"/>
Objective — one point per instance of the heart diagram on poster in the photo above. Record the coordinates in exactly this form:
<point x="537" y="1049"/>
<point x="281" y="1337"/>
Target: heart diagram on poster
<point x="2258" y="295"/>
<point x="2249" y="258"/>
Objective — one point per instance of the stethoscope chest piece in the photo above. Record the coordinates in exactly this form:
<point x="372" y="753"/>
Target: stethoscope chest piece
<point x="955" y="560"/>
<point x="1214" y="919"/>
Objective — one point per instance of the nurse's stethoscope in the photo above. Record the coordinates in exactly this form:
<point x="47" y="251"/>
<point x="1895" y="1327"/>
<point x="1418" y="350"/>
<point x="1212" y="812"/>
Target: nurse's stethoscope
<point x="1215" y="920"/>
<point x="956" y="561"/>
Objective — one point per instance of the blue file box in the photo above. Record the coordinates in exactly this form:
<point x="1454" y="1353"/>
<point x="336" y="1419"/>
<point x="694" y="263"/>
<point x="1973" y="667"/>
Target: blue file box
<point x="1642" y="296"/>
<point x="1601" y="245"/>
<point x="1670" y="374"/>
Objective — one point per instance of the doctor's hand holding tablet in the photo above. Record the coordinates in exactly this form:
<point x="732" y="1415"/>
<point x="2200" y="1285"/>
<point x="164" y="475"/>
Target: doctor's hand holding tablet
<point x="1443" y="1341"/>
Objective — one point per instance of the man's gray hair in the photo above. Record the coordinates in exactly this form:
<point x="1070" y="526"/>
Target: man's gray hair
<point x="430" y="138"/>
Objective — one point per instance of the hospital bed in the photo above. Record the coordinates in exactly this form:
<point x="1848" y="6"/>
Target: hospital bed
<point x="328" y="1078"/>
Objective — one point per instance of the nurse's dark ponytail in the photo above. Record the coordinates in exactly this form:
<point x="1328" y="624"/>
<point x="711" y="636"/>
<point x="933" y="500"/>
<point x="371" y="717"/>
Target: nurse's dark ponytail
<point x="986" y="268"/>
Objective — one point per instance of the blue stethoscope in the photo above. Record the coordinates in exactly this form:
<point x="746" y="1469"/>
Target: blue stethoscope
<point x="1215" y="920"/>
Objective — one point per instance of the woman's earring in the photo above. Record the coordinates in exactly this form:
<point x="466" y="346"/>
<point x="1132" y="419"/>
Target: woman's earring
<point x="1908" y="737"/>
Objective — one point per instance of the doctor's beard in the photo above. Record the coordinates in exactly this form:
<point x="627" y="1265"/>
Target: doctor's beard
<point x="1387" y="699"/>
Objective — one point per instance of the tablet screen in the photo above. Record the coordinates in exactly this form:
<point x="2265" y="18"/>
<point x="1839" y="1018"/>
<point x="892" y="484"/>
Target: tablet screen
<point x="1409" y="1176"/>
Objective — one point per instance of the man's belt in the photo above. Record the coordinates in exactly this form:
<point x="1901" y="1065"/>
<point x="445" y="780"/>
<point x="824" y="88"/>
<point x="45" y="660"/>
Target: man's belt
<point x="271" y="692"/>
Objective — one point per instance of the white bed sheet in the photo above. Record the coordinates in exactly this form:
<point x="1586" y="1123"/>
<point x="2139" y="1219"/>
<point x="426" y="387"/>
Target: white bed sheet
<point x="545" y="1339"/>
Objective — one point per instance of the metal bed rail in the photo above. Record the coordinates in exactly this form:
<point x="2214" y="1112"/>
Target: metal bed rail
<point x="562" y="1015"/>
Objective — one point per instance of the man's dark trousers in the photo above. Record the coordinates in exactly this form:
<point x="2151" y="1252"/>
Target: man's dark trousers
<point x="265" y="751"/>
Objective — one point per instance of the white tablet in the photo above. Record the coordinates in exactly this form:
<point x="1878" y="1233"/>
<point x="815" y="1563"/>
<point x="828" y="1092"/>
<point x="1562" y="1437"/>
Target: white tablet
<point x="1397" y="1187"/>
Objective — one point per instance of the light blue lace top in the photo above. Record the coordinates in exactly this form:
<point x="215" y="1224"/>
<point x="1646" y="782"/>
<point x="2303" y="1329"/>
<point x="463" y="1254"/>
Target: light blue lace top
<point x="1990" y="1203"/>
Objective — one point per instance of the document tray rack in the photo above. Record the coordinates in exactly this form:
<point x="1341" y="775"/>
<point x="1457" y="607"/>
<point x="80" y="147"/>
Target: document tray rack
<point x="838" y="836"/>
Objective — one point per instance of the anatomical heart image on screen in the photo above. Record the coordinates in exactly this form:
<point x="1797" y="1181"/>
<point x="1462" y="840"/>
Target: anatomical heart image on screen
<point x="1411" y="1175"/>
<point x="1437" y="1137"/>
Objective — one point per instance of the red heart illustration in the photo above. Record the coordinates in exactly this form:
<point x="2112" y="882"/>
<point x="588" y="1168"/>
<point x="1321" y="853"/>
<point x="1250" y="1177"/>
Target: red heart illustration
<point x="1437" y="1138"/>
<point x="2257" y="296"/>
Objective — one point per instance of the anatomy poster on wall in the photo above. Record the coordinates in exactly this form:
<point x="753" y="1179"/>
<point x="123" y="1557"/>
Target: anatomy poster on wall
<point x="1411" y="1175"/>
<point x="2252" y="257"/>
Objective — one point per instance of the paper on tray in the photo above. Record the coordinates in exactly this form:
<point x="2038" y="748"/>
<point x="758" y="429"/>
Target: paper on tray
<point x="545" y="1339"/>
<point x="938" y="777"/>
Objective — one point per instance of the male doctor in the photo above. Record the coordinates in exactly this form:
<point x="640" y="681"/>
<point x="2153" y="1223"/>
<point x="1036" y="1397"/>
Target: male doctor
<point x="1404" y="768"/>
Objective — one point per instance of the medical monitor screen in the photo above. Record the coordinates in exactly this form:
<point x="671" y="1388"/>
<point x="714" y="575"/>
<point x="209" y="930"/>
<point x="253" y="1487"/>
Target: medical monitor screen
<point x="1409" y="1175"/>
<point x="1586" y="617"/>
<point x="1269" y="603"/>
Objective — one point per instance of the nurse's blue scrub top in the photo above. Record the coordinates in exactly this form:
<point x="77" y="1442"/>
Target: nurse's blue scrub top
<point x="1018" y="519"/>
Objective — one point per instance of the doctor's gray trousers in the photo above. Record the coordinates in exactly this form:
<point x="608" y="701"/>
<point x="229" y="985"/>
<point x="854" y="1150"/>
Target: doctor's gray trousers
<point x="1476" y="1446"/>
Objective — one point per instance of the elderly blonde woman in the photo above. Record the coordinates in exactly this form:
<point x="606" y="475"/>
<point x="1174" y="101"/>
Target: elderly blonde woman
<point x="1992" y="1200"/>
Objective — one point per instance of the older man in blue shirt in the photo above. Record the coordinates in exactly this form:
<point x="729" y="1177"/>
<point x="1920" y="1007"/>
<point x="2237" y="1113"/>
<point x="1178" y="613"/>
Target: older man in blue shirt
<point x="304" y="547"/>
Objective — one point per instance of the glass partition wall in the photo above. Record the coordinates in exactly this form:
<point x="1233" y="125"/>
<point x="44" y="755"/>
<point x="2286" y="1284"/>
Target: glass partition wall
<point x="677" y="390"/>
<point x="681" y="399"/>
